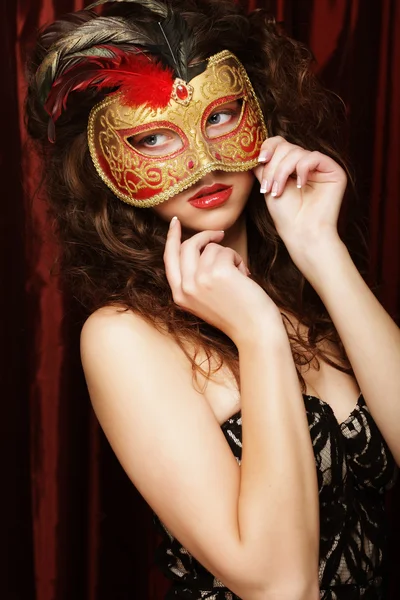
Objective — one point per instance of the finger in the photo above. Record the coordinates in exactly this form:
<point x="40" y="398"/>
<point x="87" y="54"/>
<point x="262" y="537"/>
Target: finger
<point x="286" y="167"/>
<point x="268" y="148"/>
<point x="267" y="175"/>
<point x="219" y="262"/>
<point x="208" y="255"/>
<point x="243" y="269"/>
<point x="190" y="253"/>
<point x="212" y="254"/>
<point x="228" y="258"/>
<point x="315" y="161"/>
<point x="172" y="255"/>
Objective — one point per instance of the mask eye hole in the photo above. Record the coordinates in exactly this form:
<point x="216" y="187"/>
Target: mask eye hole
<point x="157" y="142"/>
<point x="224" y="118"/>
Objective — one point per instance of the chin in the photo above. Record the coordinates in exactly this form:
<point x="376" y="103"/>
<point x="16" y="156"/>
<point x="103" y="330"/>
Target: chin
<point x="216" y="219"/>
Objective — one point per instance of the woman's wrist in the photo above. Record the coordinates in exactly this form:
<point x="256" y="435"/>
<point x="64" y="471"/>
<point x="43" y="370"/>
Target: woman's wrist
<point x="266" y="329"/>
<point x="318" y="256"/>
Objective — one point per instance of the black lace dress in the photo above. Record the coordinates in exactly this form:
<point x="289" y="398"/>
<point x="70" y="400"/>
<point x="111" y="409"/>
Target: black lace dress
<point x="354" y="468"/>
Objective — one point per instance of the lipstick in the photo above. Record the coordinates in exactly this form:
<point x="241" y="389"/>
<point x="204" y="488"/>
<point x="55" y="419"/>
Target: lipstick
<point x="211" y="196"/>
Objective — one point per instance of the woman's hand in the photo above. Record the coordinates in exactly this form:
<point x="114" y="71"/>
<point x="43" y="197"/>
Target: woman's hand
<point x="211" y="281"/>
<point x="305" y="209"/>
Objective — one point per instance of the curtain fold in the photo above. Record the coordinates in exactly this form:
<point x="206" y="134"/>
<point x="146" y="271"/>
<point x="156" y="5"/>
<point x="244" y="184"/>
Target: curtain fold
<point x="77" y="527"/>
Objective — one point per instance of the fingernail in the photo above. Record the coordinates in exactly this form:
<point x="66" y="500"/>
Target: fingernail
<point x="264" y="156"/>
<point x="264" y="186"/>
<point x="173" y="221"/>
<point x="299" y="182"/>
<point x="274" y="188"/>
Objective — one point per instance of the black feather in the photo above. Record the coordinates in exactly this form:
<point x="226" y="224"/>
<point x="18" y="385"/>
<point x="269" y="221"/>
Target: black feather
<point x="172" y="41"/>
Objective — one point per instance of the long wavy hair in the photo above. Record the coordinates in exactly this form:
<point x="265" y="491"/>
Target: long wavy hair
<point x="112" y="253"/>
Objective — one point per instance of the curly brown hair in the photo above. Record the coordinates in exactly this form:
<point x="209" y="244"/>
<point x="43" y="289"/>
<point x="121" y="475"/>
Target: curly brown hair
<point x="112" y="253"/>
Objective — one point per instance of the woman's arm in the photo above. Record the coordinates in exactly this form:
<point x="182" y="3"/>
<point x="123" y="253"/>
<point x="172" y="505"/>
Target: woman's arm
<point x="253" y="527"/>
<point x="278" y="499"/>
<point x="371" y="338"/>
<point x="306" y="219"/>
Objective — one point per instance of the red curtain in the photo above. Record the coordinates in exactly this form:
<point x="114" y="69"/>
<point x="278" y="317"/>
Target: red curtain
<point x="76" y="526"/>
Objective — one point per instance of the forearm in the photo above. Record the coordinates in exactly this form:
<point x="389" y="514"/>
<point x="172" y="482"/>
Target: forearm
<point x="278" y="501"/>
<point x="369" y="335"/>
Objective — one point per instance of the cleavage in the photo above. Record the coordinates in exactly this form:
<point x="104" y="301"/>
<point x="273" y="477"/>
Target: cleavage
<point x="339" y="390"/>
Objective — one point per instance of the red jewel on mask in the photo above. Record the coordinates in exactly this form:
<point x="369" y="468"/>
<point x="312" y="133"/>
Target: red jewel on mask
<point x="217" y="156"/>
<point x="182" y="92"/>
<point x="190" y="164"/>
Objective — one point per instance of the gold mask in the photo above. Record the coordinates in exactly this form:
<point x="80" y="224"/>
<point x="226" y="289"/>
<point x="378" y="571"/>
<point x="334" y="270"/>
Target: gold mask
<point x="144" y="180"/>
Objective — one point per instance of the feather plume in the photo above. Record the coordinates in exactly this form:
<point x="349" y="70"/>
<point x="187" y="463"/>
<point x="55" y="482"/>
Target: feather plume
<point x="174" y="43"/>
<point x="168" y="37"/>
<point x="95" y="33"/>
<point x="140" y="81"/>
<point x="100" y="51"/>
<point x="97" y="41"/>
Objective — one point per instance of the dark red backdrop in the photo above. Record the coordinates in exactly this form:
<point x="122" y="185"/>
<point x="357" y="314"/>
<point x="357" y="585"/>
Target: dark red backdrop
<point x="77" y="528"/>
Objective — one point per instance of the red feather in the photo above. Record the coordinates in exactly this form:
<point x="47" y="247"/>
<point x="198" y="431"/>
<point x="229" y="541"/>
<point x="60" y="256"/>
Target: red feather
<point x="141" y="80"/>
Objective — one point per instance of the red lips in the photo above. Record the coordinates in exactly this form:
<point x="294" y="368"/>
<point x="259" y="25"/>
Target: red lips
<point x="206" y="190"/>
<point x="211" y="196"/>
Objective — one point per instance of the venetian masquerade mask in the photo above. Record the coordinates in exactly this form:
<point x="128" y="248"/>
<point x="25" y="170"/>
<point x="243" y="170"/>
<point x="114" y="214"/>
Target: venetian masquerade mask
<point x="170" y="122"/>
<point x="147" y="155"/>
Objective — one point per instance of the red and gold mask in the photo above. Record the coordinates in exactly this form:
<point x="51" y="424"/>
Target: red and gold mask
<point x="140" y="173"/>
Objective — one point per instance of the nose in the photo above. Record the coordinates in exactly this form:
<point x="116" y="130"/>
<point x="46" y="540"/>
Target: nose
<point x="208" y="179"/>
<point x="211" y="178"/>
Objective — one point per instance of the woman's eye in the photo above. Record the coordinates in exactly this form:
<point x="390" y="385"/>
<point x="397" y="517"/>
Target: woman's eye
<point x="220" y="118"/>
<point x="155" y="139"/>
<point x="158" y="143"/>
<point x="150" y="140"/>
<point x="224" y="119"/>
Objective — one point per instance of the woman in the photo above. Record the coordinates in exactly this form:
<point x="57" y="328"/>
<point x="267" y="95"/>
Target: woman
<point x="196" y="190"/>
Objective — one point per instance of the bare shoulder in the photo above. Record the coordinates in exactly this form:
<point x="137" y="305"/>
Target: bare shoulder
<point x="121" y="351"/>
<point x="114" y="320"/>
<point x="111" y="331"/>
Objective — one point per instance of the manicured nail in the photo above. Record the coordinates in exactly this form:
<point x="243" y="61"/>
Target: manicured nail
<point x="173" y="222"/>
<point x="264" y="186"/>
<point x="299" y="182"/>
<point x="275" y="188"/>
<point x="264" y="156"/>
